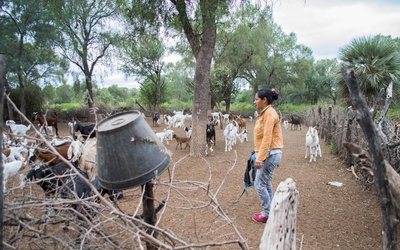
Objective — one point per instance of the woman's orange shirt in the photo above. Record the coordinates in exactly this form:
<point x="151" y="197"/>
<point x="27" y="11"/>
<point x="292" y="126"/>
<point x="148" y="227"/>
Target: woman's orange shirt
<point x="267" y="132"/>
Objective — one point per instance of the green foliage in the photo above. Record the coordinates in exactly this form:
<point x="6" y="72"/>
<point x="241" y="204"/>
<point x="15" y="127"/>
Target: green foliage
<point x="290" y="108"/>
<point x="375" y="61"/>
<point x="64" y="93"/>
<point x="175" y="104"/>
<point x="245" y="96"/>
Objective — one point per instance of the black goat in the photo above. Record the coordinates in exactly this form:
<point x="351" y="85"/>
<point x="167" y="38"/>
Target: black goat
<point x="210" y="132"/>
<point x="60" y="179"/>
<point x="155" y="117"/>
<point x="295" y="121"/>
<point x="113" y="195"/>
<point x="88" y="131"/>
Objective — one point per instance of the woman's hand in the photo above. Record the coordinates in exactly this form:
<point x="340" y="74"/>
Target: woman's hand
<point x="258" y="164"/>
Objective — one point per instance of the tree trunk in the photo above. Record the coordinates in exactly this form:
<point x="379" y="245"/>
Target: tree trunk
<point x="2" y="85"/>
<point x="202" y="46"/>
<point x="22" y="100"/>
<point x="201" y="103"/>
<point x="389" y="221"/>
<point x="228" y="105"/>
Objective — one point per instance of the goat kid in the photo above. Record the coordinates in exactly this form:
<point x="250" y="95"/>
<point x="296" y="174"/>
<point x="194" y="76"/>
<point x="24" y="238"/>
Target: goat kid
<point x="181" y="140"/>
<point x="18" y="130"/>
<point x="10" y="169"/>
<point x="210" y="130"/>
<point x="243" y="136"/>
<point x="312" y="144"/>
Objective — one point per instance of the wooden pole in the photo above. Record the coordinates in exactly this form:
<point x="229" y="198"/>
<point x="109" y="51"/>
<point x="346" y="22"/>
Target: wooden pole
<point x="149" y="214"/>
<point x="280" y="230"/>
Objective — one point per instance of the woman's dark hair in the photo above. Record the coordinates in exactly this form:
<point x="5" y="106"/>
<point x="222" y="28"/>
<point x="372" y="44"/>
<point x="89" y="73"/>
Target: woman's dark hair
<point x="270" y="94"/>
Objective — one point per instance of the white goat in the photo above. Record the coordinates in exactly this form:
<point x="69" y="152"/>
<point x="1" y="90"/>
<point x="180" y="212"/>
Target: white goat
<point x="285" y="124"/>
<point x="168" y="134"/>
<point x="18" y="129"/>
<point x="188" y="131"/>
<point x="161" y="136"/>
<point x="58" y="142"/>
<point x="243" y="136"/>
<point x="312" y="142"/>
<point x="86" y="155"/>
<point x="230" y="132"/>
<point x="10" y="169"/>
<point x="15" y="153"/>
<point x="226" y="118"/>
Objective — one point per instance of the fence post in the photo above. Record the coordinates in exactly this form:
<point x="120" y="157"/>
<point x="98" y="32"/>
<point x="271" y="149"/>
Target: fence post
<point x="329" y="132"/>
<point x="280" y="230"/>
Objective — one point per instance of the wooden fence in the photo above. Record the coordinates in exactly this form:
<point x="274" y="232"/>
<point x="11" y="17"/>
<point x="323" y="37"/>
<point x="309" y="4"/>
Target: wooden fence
<point x="337" y="125"/>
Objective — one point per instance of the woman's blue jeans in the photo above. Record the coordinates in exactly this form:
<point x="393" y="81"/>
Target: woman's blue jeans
<point x="263" y="180"/>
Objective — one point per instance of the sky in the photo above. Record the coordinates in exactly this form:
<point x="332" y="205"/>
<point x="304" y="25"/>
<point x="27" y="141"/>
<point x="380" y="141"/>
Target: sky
<point x="323" y="25"/>
<point x="327" y="25"/>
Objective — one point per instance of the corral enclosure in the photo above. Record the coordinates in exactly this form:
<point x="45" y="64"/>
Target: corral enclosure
<point x="199" y="211"/>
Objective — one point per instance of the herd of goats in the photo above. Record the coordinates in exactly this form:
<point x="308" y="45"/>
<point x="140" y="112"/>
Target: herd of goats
<point x="50" y="170"/>
<point x="81" y="151"/>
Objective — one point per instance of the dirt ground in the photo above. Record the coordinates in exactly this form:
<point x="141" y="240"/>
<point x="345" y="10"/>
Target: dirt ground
<point x="328" y="217"/>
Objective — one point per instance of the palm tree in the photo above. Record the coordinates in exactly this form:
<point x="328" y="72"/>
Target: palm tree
<point x="375" y="61"/>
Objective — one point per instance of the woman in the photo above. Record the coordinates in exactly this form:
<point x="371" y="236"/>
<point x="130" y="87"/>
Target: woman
<point x="268" y="144"/>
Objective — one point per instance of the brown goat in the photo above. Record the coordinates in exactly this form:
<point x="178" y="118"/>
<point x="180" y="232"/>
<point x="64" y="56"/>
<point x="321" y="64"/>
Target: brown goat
<point x="242" y="123"/>
<point x="48" y="156"/>
<point x="50" y="121"/>
<point x="180" y="140"/>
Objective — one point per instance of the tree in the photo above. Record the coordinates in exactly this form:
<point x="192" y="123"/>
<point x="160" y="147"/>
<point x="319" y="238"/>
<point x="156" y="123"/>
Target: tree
<point x="143" y="58"/>
<point x="277" y="61"/>
<point x="198" y="23"/>
<point x="321" y="81"/>
<point x="88" y="31"/>
<point x="28" y="41"/>
<point x="376" y="63"/>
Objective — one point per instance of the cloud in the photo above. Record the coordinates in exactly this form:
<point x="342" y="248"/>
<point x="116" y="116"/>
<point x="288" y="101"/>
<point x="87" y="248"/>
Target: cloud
<point x="120" y="80"/>
<point x="325" y="26"/>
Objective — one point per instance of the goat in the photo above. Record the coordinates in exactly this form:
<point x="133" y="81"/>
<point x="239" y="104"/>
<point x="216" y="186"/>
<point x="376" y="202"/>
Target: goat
<point x="18" y="129"/>
<point x="88" y="131"/>
<point x="243" y="136"/>
<point x="58" y="142"/>
<point x="230" y="132"/>
<point x="180" y="140"/>
<point x="45" y="121"/>
<point x="14" y="153"/>
<point x="210" y="130"/>
<point x="285" y="124"/>
<point x="295" y="121"/>
<point x="61" y="180"/>
<point x="312" y="142"/>
<point x="11" y="169"/>
<point x="155" y="117"/>
<point x="161" y="136"/>
<point x="255" y="114"/>
<point x="242" y="123"/>
<point x="209" y="147"/>
<point x="168" y="134"/>
<point x="85" y="156"/>
<point x="188" y="132"/>
<point x="48" y="156"/>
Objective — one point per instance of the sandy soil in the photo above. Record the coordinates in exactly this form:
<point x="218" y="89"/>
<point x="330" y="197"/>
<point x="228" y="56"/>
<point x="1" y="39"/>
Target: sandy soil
<point x="201" y="208"/>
